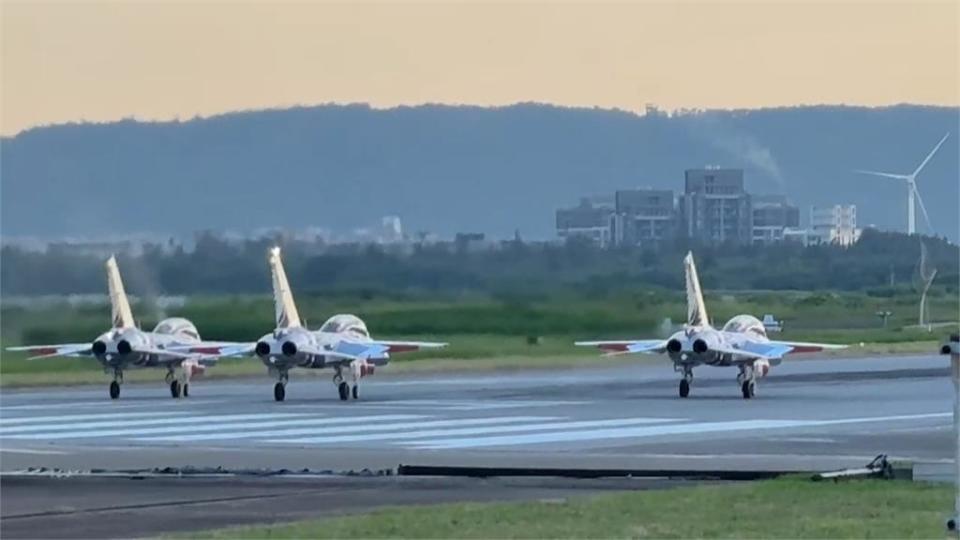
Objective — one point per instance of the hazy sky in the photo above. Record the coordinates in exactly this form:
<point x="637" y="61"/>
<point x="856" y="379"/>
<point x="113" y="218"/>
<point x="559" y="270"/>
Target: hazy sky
<point x="72" y="61"/>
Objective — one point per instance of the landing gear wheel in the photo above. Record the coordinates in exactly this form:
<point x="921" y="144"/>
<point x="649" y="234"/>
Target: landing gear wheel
<point x="114" y="390"/>
<point x="684" y="388"/>
<point x="186" y="389"/>
<point x="748" y="388"/>
<point x="356" y="392"/>
<point x="174" y="389"/>
<point x="344" y="390"/>
<point x="279" y="392"/>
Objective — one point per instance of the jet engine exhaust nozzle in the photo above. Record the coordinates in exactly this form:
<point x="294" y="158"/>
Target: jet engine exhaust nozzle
<point x="124" y="347"/>
<point x="262" y="349"/>
<point x="674" y="346"/>
<point x="289" y="348"/>
<point x="700" y="346"/>
<point x="99" y="347"/>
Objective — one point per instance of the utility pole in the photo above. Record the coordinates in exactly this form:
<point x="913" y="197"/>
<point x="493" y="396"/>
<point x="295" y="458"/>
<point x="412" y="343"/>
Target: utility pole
<point x="952" y="347"/>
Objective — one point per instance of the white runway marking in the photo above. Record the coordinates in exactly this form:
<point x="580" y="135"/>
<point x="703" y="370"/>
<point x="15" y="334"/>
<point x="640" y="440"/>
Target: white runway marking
<point x="183" y="418"/>
<point x="196" y="424"/>
<point x="446" y="405"/>
<point x="651" y="431"/>
<point x="34" y="451"/>
<point x="5" y="421"/>
<point x="358" y="425"/>
<point x="102" y="404"/>
<point x="470" y="431"/>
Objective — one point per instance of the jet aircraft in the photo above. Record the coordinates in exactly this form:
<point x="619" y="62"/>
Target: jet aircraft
<point x="742" y="342"/>
<point x="125" y="346"/>
<point x="342" y="343"/>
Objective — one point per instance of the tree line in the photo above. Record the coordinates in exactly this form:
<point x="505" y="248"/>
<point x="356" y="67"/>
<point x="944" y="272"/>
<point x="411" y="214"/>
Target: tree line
<point x="880" y="263"/>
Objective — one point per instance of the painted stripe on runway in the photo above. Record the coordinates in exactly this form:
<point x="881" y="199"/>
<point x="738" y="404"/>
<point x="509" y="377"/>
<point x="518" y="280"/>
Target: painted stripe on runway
<point x="33" y="451"/>
<point x="4" y="422"/>
<point x="181" y="418"/>
<point x="100" y="403"/>
<point x="652" y="431"/>
<point x="186" y="425"/>
<point x="473" y="431"/>
<point x="358" y="426"/>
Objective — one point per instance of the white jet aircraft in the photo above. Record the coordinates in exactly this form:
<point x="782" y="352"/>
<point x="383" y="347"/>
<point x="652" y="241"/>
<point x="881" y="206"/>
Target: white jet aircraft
<point x="343" y="343"/>
<point x="125" y="346"/>
<point x="742" y="342"/>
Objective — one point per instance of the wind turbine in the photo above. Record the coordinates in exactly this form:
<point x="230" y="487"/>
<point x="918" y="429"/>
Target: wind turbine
<point x="912" y="193"/>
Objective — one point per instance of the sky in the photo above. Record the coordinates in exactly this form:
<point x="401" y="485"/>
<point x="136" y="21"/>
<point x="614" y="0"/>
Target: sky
<point x="77" y="61"/>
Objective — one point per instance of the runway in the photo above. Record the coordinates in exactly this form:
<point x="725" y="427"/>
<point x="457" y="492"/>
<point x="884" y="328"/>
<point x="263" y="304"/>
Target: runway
<point x="808" y="414"/>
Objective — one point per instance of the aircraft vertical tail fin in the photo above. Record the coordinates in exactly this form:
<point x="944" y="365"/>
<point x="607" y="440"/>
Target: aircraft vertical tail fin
<point x="696" y="309"/>
<point x="121" y="315"/>
<point x="286" y="310"/>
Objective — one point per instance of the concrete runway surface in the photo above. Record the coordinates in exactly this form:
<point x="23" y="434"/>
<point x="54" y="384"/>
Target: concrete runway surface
<point x="808" y="415"/>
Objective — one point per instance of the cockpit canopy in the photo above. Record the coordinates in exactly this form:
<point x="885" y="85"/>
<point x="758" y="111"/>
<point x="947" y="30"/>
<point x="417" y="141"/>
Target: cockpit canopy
<point x="345" y="323"/>
<point x="745" y="324"/>
<point x="177" y="326"/>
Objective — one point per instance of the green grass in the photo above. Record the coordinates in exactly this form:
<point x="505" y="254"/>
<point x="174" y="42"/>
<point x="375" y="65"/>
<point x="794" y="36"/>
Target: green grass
<point x="784" y="508"/>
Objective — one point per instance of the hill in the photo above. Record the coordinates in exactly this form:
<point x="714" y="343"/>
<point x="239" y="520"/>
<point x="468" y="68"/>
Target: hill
<point x="447" y="169"/>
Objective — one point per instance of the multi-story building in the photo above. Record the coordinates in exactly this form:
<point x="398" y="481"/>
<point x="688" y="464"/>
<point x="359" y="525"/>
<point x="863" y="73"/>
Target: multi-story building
<point x="715" y="208"/>
<point x="835" y="224"/>
<point x="772" y="215"/>
<point x="643" y="217"/>
<point x="588" y="220"/>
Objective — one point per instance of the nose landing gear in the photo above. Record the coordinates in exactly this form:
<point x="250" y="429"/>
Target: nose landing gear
<point x="686" y="380"/>
<point x="280" y="389"/>
<point x="115" y="385"/>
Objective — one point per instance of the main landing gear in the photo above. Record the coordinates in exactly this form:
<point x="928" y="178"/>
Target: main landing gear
<point x="179" y="387"/>
<point x="685" y="381"/>
<point x="345" y="389"/>
<point x="747" y="380"/>
<point x="115" y="385"/>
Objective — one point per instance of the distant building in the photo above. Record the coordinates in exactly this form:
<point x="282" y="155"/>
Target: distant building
<point x="772" y="215"/>
<point x="588" y="220"/>
<point x="715" y="208"/>
<point x="835" y="224"/>
<point x="643" y="217"/>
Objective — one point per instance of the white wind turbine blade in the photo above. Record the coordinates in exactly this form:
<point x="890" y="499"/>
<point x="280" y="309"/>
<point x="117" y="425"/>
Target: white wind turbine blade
<point x="930" y="155"/>
<point x="887" y="175"/>
<point x="926" y="217"/>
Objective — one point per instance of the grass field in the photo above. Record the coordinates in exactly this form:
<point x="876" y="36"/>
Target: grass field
<point x="784" y="508"/>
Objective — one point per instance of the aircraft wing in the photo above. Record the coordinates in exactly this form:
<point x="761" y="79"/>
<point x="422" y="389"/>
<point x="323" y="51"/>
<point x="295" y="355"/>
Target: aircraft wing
<point x="772" y="350"/>
<point x="38" y="352"/>
<point x="407" y="346"/>
<point x="804" y="346"/>
<point x="217" y="348"/>
<point x="627" y="347"/>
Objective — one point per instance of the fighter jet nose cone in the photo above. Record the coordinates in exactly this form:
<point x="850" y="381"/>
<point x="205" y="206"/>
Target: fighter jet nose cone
<point x="289" y="348"/>
<point x="263" y="348"/>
